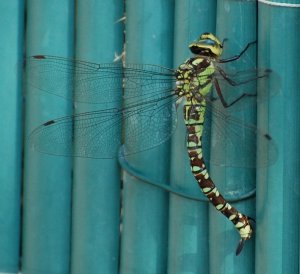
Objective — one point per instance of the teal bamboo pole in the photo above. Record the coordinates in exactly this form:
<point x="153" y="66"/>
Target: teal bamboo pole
<point x="277" y="238"/>
<point x="47" y="179"/>
<point x="188" y="220"/>
<point x="96" y="193"/>
<point x="236" y="21"/>
<point x="149" y="40"/>
<point x="11" y="35"/>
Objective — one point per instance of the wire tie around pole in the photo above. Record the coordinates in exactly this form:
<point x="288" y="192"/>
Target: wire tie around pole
<point x="278" y="4"/>
<point x="176" y="191"/>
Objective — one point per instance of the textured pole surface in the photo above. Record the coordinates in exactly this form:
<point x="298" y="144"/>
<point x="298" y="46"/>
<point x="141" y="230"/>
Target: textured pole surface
<point x="277" y="237"/>
<point x="96" y="192"/>
<point x="11" y="49"/>
<point x="47" y="179"/>
<point x="149" y="40"/>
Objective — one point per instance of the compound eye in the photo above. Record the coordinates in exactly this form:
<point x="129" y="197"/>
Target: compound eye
<point x="209" y="42"/>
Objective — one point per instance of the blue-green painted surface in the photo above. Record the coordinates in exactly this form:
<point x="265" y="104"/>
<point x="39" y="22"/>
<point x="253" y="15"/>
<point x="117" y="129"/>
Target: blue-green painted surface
<point x="236" y="21"/>
<point x="11" y="37"/>
<point x="278" y="191"/>
<point x="96" y="191"/>
<point x="47" y="179"/>
<point x="152" y="241"/>
<point x="149" y="39"/>
<point x="188" y="229"/>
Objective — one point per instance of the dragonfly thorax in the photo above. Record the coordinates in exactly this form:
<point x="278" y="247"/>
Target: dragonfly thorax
<point x="194" y="78"/>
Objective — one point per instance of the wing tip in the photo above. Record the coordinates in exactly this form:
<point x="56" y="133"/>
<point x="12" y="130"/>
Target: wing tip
<point x="49" y="123"/>
<point x="39" y="56"/>
<point x="268" y="137"/>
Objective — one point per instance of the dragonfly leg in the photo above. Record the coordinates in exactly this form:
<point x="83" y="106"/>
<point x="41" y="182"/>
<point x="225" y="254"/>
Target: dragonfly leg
<point x="224" y="40"/>
<point x="235" y="83"/>
<point x="236" y="57"/>
<point x="223" y="101"/>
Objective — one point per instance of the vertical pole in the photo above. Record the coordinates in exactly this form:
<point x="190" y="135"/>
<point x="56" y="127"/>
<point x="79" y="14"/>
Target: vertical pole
<point x="188" y="220"/>
<point x="149" y="40"/>
<point x="96" y="193"/>
<point x="11" y="49"/>
<point x="47" y="179"/>
<point x="277" y="186"/>
<point x="236" y="21"/>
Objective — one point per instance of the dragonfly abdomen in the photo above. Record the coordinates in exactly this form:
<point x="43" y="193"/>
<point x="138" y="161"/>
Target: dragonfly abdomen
<point x="194" y="120"/>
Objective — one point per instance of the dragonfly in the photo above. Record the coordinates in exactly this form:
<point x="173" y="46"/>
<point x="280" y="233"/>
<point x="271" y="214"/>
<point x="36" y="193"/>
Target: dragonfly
<point x="144" y="97"/>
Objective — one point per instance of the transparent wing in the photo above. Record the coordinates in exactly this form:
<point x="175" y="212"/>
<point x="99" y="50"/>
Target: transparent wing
<point x="148" y="113"/>
<point x="230" y="140"/>
<point x="236" y="142"/>
<point x="97" y="134"/>
<point x="88" y="81"/>
<point x="148" y="106"/>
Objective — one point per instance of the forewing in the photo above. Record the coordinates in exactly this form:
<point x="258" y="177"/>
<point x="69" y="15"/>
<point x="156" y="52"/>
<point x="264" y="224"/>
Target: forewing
<point x="92" y="82"/>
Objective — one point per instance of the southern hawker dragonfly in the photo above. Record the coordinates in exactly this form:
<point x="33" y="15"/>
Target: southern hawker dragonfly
<point x="144" y="98"/>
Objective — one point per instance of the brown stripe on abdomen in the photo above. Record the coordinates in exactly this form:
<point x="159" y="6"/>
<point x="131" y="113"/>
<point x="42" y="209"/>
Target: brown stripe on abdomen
<point x="209" y="189"/>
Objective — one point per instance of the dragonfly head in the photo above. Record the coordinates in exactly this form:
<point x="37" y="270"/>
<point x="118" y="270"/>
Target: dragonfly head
<point x="207" y="45"/>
